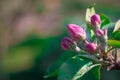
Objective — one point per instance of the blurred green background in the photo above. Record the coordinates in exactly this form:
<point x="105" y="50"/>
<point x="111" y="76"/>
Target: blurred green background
<point x="31" y="33"/>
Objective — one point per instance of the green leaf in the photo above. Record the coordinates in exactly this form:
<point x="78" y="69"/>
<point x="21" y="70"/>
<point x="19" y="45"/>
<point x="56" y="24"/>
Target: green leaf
<point x="104" y="20"/>
<point x="53" y="69"/>
<point x="77" y="68"/>
<point x="115" y="35"/>
<point x="89" y="12"/>
<point x="90" y="34"/>
<point x="114" y="43"/>
<point x="110" y="27"/>
<point x="93" y="73"/>
<point x="89" y="57"/>
<point x="117" y="26"/>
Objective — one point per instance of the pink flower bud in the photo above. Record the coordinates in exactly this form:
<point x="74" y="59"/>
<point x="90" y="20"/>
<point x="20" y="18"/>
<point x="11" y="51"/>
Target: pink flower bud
<point x="67" y="43"/>
<point x="91" y="47"/>
<point x="76" y="32"/>
<point x="99" y="32"/>
<point x="95" y="21"/>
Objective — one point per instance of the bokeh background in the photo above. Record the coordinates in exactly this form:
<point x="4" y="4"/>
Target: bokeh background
<point x="31" y="33"/>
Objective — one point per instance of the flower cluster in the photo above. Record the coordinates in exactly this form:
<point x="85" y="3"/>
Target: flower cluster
<point x="78" y="41"/>
<point x="78" y="37"/>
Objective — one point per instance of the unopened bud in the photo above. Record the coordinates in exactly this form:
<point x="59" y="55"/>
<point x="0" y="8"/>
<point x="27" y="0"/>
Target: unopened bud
<point x="76" y="32"/>
<point x="67" y="43"/>
<point x="99" y="32"/>
<point x="91" y="48"/>
<point x="102" y="35"/>
<point x="102" y="38"/>
<point x="95" y="21"/>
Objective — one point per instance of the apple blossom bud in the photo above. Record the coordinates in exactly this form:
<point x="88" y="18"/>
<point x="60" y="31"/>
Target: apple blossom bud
<point x="99" y="32"/>
<point x="91" y="47"/>
<point x="76" y="32"/>
<point x="67" y="43"/>
<point x="95" y="21"/>
<point x="102" y="38"/>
